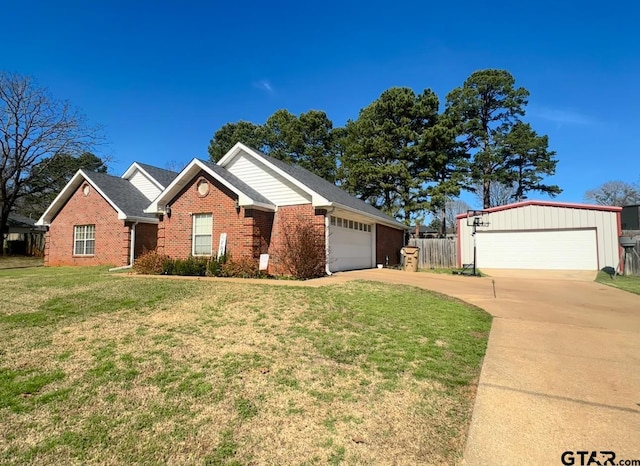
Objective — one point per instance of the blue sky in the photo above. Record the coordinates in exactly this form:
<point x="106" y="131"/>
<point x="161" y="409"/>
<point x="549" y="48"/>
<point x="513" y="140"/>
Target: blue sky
<point x="163" y="76"/>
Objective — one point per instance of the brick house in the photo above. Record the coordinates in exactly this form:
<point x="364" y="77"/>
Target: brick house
<point x="245" y="202"/>
<point x="97" y="218"/>
<point x="242" y="205"/>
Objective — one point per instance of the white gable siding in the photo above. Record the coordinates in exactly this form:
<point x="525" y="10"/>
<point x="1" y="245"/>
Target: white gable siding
<point x="268" y="183"/>
<point x="144" y="185"/>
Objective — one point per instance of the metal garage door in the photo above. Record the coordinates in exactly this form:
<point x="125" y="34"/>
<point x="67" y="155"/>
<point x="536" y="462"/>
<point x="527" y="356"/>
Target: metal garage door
<point x="350" y="245"/>
<point x="539" y="249"/>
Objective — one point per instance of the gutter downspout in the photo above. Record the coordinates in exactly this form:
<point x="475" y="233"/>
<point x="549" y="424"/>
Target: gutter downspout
<point x="326" y="240"/>
<point x="133" y="244"/>
<point x="131" y="253"/>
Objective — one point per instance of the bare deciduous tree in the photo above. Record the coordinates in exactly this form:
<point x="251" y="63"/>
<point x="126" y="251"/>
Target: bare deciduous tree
<point x="614" y="193"/>
<point x="33" y="127"/>
<point x="445" y="219"/>
<point x="499" y="194"/>
<point x="454" y="208"/>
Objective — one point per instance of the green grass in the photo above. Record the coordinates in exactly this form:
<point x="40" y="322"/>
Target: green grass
<point x="450" y="271"/>
<point x="630" y="283"/>
<point x="96" y="367"/>
<point x="392" y="335"/>
<point x="22" y="390"/>
<point x="447" y="271"/>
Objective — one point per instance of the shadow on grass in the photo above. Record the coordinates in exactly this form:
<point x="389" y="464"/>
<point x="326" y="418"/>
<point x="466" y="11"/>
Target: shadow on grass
<point x="20" y="262"/>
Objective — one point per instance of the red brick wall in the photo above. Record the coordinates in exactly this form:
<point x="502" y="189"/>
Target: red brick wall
<point x="250" y="232"/>
<point x="146" y="238"/>
<point x="112" y="235"/>
<point x="389" y="241"/>
<point x="175" y="232"/>
<point x="285" y="219"/>
<point x="262" y="230"/>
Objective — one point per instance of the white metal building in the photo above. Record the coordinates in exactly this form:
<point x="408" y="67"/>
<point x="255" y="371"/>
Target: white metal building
<point x="543" y="235"/>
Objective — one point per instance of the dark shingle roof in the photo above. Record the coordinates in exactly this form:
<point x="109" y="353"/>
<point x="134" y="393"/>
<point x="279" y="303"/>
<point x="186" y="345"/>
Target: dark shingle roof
<point x="326" y="189"/>
<point x="237" y="182"/>
<point x="20" y="221"/>
<point x="122" y="193"/>
<point x="162" y="176"/>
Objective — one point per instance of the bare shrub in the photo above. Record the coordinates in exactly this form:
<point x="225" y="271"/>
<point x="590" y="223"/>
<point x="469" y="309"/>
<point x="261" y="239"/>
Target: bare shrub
<point x="244" y="267"/>
<point x="302" y="253"/>
<point x="150" y="263"/>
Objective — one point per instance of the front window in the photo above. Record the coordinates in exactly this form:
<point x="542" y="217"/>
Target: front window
<point x="202" y="228"/>
<point x="84" y="240"/>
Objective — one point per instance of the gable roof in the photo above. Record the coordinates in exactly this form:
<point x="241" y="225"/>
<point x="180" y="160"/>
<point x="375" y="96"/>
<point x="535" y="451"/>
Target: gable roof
<point x="121" y="194"/>
<point x="315" y="184"/>
<point x="247" y="196"/>
<point x="128" y="202"/>
<point x="234" y="180"/>
<point x="162" y="176"/>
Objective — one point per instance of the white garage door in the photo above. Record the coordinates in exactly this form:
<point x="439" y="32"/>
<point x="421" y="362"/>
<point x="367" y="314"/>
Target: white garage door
<point x="350" y="246"/>
<point x="551" y="249"/>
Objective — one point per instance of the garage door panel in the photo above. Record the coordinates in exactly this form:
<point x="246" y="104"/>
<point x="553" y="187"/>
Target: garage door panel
<point x="349" y="249"/>
<point x="553" y="250"/>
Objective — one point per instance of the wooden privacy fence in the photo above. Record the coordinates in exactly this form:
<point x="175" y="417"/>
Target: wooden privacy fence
<point x="632" y="265"/>
<point x="436" y="253"/>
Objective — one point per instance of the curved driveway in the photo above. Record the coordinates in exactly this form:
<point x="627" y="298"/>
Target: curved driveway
<point x="562" y="369"/>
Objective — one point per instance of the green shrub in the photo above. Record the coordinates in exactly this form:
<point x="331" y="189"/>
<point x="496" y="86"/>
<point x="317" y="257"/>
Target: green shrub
<point x="168" y="266"/>
<point x="150" y="263"/>
<point x="156" y="264"/>
<point x="214" y="266"/>
<point x="191" y="266"/>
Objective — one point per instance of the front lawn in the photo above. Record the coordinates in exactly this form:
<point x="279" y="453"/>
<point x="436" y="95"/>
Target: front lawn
<point x="630" y="283"/>
<point x="110" y="369"/>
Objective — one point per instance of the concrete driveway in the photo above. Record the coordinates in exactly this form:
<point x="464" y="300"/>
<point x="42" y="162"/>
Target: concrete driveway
<point x="562" y="369"/>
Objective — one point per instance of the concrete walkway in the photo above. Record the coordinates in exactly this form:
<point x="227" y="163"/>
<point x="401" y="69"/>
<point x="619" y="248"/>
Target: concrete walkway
<point x="562" y="370"/>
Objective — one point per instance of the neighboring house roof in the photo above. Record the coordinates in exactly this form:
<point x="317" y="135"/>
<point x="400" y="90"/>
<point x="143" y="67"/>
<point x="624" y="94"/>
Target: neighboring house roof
<point x="423" y="229"/>
<point x="305" y="179"/>
<point x="17" y="221"/>
<point x="247" y="196"/>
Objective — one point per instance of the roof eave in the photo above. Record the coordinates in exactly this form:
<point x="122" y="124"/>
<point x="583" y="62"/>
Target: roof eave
<point x="133" y="218"/>
<point x="61" y="198"/>
<point x="152" y="209"/>
<point x="235" y="150"/>
<point x="171" y="190"/>
<point x="567" y="205"/>
<point x="258" y="205"/>
<point x="377" y="219"/>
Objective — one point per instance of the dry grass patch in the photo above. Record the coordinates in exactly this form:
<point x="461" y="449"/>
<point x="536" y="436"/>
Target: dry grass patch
<point x="19" y="262"/>
<point x="150" y="371"/>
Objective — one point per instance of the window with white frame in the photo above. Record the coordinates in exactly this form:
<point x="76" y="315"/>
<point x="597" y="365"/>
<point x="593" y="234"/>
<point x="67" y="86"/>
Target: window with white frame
<point x="84" y="240"/>
<point x="202" y="233"/>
